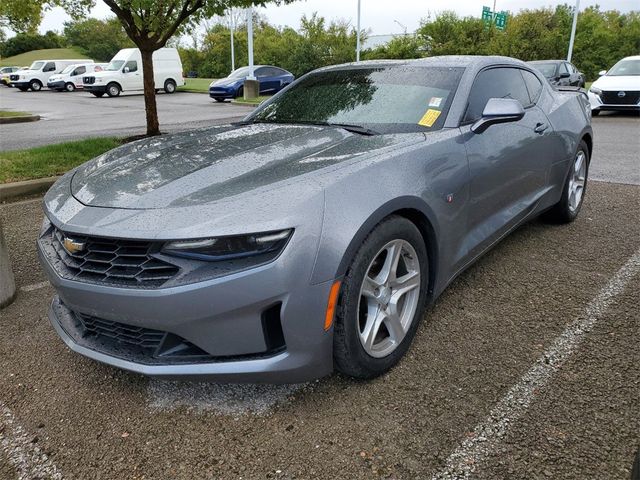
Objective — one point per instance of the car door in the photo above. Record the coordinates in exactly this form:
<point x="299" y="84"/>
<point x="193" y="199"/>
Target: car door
<point x="269" y="83"/>
<point x="76" y="76"/>
<point x="131" y="76"/>
<point x="509" y="162"/>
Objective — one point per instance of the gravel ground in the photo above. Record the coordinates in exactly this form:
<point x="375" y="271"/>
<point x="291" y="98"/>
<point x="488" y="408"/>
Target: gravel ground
<point x="486" y="330"/>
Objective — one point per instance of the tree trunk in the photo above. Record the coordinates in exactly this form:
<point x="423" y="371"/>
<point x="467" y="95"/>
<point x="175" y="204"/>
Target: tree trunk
<point x="153" y="126"/>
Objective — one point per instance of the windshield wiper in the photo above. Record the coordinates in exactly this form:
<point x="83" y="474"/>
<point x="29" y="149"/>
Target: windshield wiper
<point x="359" y="129"/>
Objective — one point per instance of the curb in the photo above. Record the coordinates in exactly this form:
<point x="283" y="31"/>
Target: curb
<point x="21" y="119"/>
<point x="10" y="191"/>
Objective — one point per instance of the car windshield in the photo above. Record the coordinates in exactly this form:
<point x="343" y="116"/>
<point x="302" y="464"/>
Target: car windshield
<point x="114" y="65"/>
<point x="392" y="99"/>
<point x="36" y="65"/>
<point x="68" y="69"/>
<point x="239" y="73"/>
<point x="547" y="69"/>
<point x="625" y="67"/>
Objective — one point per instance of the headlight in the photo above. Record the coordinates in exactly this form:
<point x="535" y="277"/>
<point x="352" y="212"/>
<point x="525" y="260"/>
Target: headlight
<point x="230" y="248"/>
<point x="595" y="90"/>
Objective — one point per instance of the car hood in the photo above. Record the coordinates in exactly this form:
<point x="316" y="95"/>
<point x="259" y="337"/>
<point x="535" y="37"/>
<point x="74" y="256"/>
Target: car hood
<point x="208" y="165"/>
<point x="622" y="82"/>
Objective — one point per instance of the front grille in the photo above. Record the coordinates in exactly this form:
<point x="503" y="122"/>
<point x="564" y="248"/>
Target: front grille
<point x="613" y="98"/>
<point x="111" y="261"/>
<point x="88" y="80"/>
<point x="14" y="78"/>
<point x="128" y="334"/>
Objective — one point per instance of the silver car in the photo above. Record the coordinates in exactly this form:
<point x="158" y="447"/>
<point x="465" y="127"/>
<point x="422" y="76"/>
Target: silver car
<point x="311" y="235"/>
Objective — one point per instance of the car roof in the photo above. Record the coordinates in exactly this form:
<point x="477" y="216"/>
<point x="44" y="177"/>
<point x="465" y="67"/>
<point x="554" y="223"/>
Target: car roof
<point x="633" y="57"/>
<point x="534" y="62"/>
<point x="447" y="61"/>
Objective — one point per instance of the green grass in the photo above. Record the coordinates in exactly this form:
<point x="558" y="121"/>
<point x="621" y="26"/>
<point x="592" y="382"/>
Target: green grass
<point x="252" y="101"/>
<point x="6" y="113"/>
<point x="51" y="160"/>
<point x="199" y="85"/>
<point x="27" y="58"/>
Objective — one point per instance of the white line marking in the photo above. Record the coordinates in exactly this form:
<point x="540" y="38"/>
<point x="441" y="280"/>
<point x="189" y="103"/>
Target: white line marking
<point x="222" y="399"/>
<point x="26" y="457"/>
<point x="463" y="462"/>
<point x="34" y="286"/>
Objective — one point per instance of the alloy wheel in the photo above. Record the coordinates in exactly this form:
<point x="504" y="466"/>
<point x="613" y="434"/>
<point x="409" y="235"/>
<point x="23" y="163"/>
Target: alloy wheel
<point x="578" y="176"/>
<point x="389" y="297"/>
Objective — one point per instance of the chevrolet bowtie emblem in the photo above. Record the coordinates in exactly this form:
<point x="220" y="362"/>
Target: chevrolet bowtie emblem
<point x="72" y="246"/>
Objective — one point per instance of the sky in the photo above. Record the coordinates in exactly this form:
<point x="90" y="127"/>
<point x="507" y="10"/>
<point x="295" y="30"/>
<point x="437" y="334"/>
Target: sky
<point x="376" y="14"/>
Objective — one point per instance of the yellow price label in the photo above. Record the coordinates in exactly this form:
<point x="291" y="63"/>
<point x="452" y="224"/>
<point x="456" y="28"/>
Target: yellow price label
<point x="429" y="118"/>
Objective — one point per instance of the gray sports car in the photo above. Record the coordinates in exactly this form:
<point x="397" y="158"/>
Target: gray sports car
<point x="311" y="235"/>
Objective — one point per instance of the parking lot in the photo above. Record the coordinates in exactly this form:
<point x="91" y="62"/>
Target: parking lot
<point x="527" y="367"/>
<point x="71" y="116"/>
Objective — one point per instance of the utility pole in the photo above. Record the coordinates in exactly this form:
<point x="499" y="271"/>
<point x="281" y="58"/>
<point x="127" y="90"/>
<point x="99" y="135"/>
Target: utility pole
<point x="573" y="30"/>
<point x="233" y="56"/>
<point x="358" y="34"/>
<point x="251" y="76"/>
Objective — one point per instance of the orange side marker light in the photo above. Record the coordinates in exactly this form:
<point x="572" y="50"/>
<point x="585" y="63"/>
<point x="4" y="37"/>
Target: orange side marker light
<point x="331" y="305"/>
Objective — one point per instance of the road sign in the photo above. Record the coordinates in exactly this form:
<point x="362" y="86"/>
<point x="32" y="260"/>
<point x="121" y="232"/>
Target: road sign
<point x="499" y="19"/>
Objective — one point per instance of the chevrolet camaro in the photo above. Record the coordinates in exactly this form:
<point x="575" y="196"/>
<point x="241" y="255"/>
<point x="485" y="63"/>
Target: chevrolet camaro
<point x="311" y="235"/>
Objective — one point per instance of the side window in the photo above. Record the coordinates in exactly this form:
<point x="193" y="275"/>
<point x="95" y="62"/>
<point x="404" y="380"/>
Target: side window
<point x="262" y="72"/>
<point x="49" y="67"/>
<point x="79" y="71"/>
<point x="563" y="68"/>
<point x="132" y="65"/>
<point x="534" y="86"/>
<point x="502" y="82"/>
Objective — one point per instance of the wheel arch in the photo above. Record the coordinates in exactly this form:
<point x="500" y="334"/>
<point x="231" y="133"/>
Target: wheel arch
<point x="588" y="139"/>
<point x="117" y="83"/>
<point x="414" y="210"/>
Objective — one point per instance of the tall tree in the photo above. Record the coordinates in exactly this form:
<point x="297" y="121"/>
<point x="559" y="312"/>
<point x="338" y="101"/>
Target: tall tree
<point x="151" y="23"/>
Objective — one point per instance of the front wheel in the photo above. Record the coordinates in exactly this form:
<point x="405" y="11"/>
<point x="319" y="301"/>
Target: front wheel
<point x="35" y="85"/>
<point x="170" y="86"/>
<point x="113" y="90"/>
<point x="575" y="187"/>
<point x="382" y="300"/>
<point x="69" y="87"/>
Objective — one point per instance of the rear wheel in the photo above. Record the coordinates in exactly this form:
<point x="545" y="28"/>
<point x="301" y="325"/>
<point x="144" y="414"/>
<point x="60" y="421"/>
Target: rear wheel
<point x="170" y="86"/>
<point x="113" y="89"/>
<point x="35" y="85"/>
<point x="69" y="87"/>
<point x="382" y="300"/>
<point x="240" y="93"/>
<point x="575" y="187"/>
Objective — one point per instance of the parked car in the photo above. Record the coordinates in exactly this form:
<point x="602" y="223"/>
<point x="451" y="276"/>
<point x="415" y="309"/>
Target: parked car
<point x="560" y="72"/>
<point x="617" y="89"/>
<point x="71" y="77"/>
<point x="124" y="73"/>
<point x="272" y="80"/>
<point x="312" y="234"/>
<point x="37" y="75"/>
<point x="4" y="74"/>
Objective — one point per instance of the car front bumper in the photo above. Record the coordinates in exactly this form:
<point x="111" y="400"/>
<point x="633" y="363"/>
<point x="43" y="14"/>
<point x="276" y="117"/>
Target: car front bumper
<point x="597" y="104"/>
<point x="20" y="84"/>
<point x="56" y="85"/>
<point x="223" y="317"/>
<point x="224" y="93"/>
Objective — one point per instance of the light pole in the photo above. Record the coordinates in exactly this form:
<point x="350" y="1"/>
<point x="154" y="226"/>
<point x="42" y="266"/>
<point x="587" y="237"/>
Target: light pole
<point x="358" y="34"/>
<point x="233" y="56"/>
<point x="251" y="76"/>
<point x="573" y="30"/>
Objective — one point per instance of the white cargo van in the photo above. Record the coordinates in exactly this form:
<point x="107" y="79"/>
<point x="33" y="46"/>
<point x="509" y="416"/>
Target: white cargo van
<point x="124" y="73"/>
<point x="71" y="77"/>
<point x="37" y="75"/>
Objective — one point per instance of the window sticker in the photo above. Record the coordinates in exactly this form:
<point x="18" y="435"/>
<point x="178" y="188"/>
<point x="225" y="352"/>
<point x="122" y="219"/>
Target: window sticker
<point x="435" y="102"/>
<point x="429" y="118"/>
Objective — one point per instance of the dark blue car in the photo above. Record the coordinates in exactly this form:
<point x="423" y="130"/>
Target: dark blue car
<point x="272" y="80"/>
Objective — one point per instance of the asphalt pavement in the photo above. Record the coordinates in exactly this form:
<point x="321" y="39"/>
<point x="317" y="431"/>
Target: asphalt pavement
<point x="527" y="367"/>
<point x="72" y="116"/>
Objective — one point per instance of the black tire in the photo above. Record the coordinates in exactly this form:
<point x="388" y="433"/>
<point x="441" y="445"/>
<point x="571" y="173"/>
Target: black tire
<point x="219" y="100"/>
<point x="349" y="355"/>
<point x="595" y="113"/>
<point x="97" y="94"/>
<point x="113" y="89"/>
<point x="170" y="86"/>
<point x="69" y="87"/>
<point x="561" y="211"/>
<point x="240" y="93"/>
<point x="35" y="85"/>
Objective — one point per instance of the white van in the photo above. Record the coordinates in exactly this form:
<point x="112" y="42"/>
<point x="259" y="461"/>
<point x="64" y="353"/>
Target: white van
<point x="37" y="75"/>
<point x="71" y="77"/>
<point x="124" y="73"/>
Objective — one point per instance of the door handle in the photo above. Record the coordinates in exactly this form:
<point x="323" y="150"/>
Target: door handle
<point x="541" y="127"/>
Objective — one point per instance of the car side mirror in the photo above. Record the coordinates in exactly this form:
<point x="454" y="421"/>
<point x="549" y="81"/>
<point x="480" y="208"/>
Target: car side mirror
<point x="125" y="70"/>
<point x="565" y="75"/>
<point x="498" y="110"/>
<point x="602" y="72"/>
